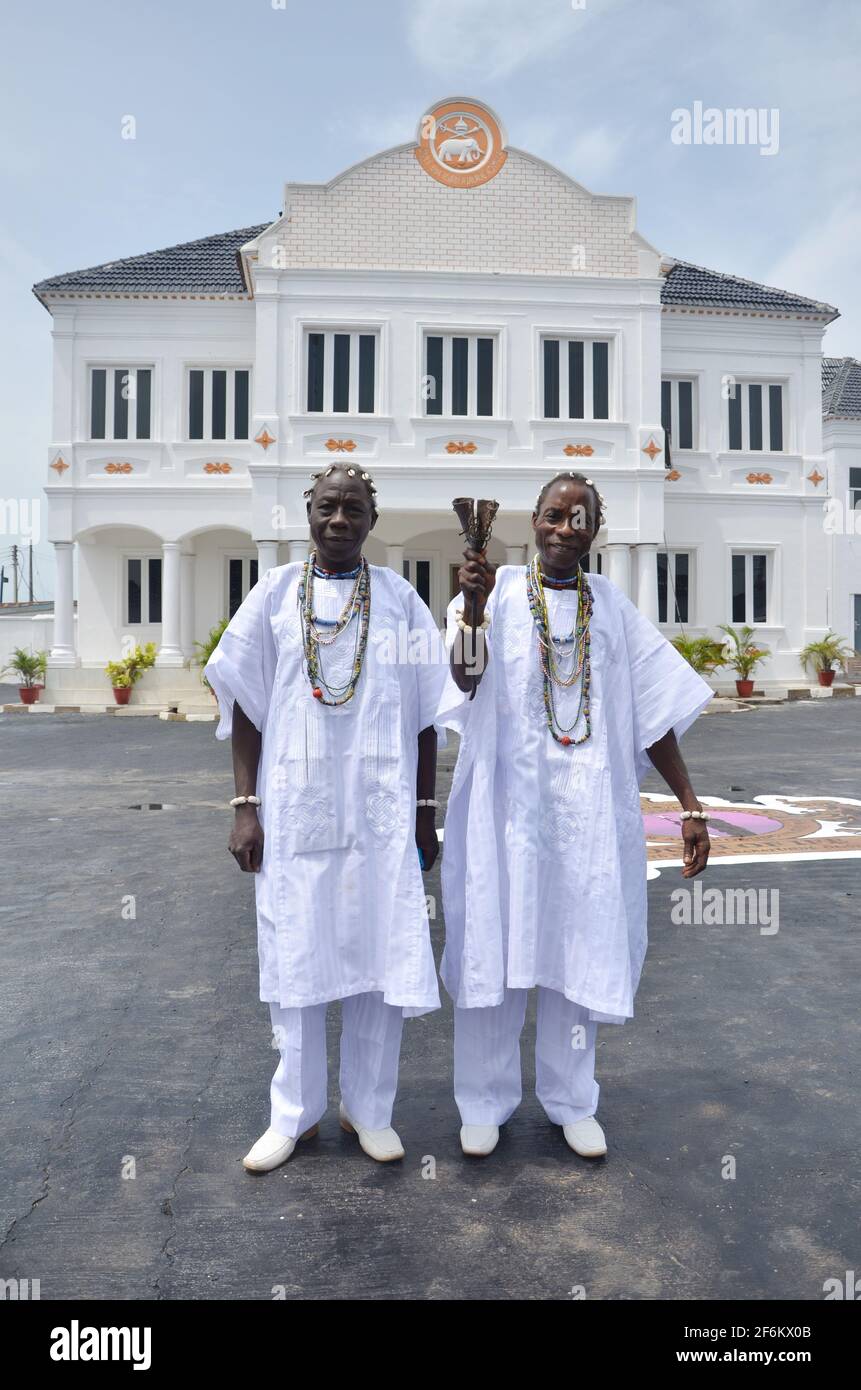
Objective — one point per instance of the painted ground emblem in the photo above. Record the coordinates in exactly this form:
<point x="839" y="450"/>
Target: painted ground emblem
<point x="774" y="827"/>
<point x="460" y="143"/>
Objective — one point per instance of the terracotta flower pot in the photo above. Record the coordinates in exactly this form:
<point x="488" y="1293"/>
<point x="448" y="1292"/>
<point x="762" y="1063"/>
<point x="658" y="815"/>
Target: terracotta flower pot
<point x="744" y="687"/>
<point x="826" y="677"/>
<point x="122" y="694"/>
<point x="29" y="694"/>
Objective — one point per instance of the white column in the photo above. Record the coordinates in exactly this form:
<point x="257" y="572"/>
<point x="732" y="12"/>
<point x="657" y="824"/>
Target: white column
<point x="647" y="582"/>
<point x="267" y="557"/>
<point x="170" y="651"/>
<point x="618" y="566"/>
<point x="298" y="550"/>
<point x="514" y="555"/>
<point x="395" y="558"/>
<point x="63" y="648"/>
<point x="186" y="603"/>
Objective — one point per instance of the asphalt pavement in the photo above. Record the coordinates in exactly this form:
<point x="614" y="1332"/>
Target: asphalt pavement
<point x="137" y="1058"/>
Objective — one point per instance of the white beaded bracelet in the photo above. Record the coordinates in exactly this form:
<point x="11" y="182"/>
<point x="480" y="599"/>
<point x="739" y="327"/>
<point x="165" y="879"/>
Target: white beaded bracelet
<point x="693" y="815"/>
<point x="246" y="801"/>
<point x="427" y="801"/>
<point x="467" y="627"/>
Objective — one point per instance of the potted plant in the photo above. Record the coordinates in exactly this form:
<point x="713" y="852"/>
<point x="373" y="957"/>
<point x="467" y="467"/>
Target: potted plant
<point x="825" y="655"/>
<point x="703" y="653"/>
<point x="743" y="656"/>
<point x="207" y="647"/>
<point x="30" y="668"/>
<point x="124" y="674"/>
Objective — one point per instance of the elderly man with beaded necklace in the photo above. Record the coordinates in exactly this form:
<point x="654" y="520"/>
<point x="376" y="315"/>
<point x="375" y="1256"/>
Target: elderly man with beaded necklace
<point x="334" y="757"/>
<point x="544" y="869"/>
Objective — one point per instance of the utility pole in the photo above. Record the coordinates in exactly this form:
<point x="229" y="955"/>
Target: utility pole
<point x="30" y="571"/>
<point x="14" y="574"/>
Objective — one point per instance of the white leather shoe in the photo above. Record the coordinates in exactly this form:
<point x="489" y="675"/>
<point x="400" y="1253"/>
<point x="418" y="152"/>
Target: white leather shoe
<point x="586" y="1137"/>
<point x="273" y="1149"/>
<point x="479" y="1140"/>
<point x="381" y="1144"/>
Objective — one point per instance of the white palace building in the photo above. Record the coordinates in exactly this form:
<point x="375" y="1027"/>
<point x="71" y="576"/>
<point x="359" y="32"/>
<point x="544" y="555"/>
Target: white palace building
<point x="455" y="317"/>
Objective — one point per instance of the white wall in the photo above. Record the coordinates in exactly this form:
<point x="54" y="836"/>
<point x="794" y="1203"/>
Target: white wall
<point x="713" y="507"/>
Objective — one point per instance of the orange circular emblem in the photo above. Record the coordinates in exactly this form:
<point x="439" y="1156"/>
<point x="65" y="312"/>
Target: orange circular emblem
<point x="460" y="143"/>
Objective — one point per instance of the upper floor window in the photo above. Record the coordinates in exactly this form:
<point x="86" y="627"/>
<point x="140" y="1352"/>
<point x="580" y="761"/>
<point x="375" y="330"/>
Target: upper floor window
<point x="749" y="587"/>
<point x="341" y="372"/>
<point x="218" y="402"/>
<point x="459" y="374"/>
<point x="677" y="412"/>
<point x="755" y="416"/>
<point x="575" y="379"/>
<point x="143" y="589"/>
<point x="120" y="402"/>
<point x="855" y="487"/>
<point x="674" y="575"/>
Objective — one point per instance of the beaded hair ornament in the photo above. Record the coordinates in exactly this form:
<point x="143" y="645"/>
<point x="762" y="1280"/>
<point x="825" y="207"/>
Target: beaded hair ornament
<point x="351" y="473"/>
<point x="577" y="478"/>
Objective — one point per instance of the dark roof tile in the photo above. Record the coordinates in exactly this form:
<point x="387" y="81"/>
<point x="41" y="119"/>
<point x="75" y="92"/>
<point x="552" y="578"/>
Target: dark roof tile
<point x="207" y="266"/>
<point x="694" y="286"/>
<point x="841" y="388"/>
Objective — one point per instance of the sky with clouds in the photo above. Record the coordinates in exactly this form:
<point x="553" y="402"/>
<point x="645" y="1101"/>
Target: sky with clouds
<point x="233" y="97"/>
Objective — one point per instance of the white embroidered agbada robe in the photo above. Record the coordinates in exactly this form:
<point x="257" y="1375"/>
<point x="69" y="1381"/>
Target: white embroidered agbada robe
<point x="340" y="899"/>
<point x="544" y="866"/>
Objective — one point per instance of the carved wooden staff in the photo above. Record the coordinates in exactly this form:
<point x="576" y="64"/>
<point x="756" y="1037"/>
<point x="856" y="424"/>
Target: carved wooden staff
<point x="476" y="519"/>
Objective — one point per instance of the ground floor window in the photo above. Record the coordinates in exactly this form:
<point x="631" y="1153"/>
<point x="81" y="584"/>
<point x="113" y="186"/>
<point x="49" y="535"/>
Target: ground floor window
<point x="750" y="584"/>
<point x="674" y="580"/>
<point x="418" y="572"/>
<point x="143" y="589"/>
<point x="242" y="571"/>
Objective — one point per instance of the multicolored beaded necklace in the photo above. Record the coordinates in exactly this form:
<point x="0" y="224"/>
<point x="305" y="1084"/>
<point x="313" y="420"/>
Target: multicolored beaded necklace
<point x="574" y="648"/>
<point x="358" y="607"/>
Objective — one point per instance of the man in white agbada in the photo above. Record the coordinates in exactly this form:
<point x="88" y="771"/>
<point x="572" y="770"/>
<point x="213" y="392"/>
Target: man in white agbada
<point x="327" y="685"/>
<point x="544" y="865"/>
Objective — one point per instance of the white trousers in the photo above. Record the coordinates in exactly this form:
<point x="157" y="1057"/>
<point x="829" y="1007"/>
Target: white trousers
<point x="487" y="1084"/>
<point x="370" y="1053"/>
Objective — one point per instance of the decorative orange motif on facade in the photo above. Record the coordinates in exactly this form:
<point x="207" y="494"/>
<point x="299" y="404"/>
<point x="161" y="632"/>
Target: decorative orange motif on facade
<point x="264" y="438"/>
<point x="651" y="449"/>
<point x="672" y="475"/>
<point x="759" y="478"/>
<point x="460" y="144"/>
<point x="218" y="468"/>
<point x="340" y="446"/>
<point x="119" y="468"/>
<point x="59" y="466"/>
<point x="457" y="446"/>
<point x="578" y="451"/>
<point x="815" y="477"/>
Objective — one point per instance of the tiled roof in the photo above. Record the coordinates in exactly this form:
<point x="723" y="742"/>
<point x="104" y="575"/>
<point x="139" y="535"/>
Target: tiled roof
<point x="694" y="286"/>
<point x="841" y="388"/>
<point x="208" y="266"/>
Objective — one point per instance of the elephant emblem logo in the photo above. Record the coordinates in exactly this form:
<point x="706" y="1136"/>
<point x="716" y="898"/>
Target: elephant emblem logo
<point x="460" y="144"/>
